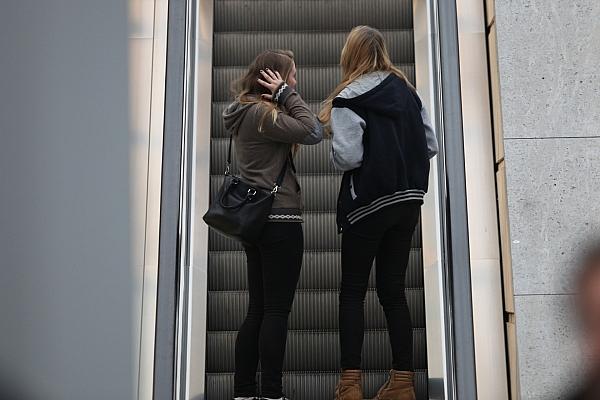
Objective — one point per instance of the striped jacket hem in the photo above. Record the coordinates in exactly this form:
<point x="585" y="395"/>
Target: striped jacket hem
<point x="384" y="201"/>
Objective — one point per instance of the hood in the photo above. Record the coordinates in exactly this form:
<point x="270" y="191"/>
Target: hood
<point x="378" y="91"/>
<point x="234" y="114"/>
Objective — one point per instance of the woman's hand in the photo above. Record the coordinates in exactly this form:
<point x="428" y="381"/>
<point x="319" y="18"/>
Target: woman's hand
<point x="272" y="80"/>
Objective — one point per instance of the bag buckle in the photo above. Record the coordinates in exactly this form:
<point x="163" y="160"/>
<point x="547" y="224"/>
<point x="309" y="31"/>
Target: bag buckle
<point x="275" y="188"/>
<point x="227" y="170"/>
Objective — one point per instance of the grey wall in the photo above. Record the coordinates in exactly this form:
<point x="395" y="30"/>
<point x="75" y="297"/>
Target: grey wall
<point x="548" y="56"/>
<point x="65" y="265"/>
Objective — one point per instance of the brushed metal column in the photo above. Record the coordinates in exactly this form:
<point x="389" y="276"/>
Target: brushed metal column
<point x="460" y="325"/>
<point x="484" y="247"/>
<point x="199" y="185"/>
<point x="154" y="17"/>
<point x="169" y="255"/>
<point x="437" y="295"/>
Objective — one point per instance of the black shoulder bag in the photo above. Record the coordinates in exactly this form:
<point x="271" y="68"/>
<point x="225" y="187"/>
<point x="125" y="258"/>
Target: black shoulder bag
<point x="240" y="210"/>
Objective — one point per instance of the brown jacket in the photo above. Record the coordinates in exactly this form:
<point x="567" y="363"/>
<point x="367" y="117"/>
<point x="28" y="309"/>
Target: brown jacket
<point x="261" y="155"/>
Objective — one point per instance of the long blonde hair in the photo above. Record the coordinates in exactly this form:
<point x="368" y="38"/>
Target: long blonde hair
<point x="364" y="51"/>
<point x="247" y="90"/>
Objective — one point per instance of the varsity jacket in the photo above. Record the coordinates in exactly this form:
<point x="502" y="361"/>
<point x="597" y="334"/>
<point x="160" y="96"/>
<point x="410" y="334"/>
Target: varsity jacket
<point x="382" y="140"/>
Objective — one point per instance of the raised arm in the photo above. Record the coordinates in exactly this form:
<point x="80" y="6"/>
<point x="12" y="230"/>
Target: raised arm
<point x="297" y="124"/>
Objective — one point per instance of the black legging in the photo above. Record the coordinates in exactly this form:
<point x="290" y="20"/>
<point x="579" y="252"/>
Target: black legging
<point x="386" y="237"/>
<point x="273" y="270"/>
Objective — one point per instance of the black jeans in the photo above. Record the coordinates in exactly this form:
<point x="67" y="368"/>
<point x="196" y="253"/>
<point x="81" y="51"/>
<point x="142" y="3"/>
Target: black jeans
<point x="384" y="236"/>
<point x="273" y="270"/>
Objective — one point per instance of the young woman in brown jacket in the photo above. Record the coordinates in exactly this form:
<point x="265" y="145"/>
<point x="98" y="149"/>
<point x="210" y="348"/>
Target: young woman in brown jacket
<point x="269" y="120"/>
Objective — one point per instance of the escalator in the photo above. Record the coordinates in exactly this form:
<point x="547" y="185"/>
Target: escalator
<point x="315" y="31"/>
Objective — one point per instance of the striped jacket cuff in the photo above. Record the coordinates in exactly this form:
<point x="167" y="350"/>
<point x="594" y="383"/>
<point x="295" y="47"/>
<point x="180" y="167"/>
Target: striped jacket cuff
<point x="282" y="93"/>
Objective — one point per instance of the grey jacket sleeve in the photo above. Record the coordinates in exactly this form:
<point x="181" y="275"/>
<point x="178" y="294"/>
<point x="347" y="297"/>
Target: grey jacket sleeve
<point x="347" y="142"/>
<point x="432" y="144"/>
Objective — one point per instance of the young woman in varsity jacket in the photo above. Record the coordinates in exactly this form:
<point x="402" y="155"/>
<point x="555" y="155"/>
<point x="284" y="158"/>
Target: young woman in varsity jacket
<point x="268" y="120"/>
<point x="382" y="140"/>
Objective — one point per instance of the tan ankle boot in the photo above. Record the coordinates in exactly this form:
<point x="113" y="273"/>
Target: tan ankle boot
<point x="398" y="387"/>
<point x="349" y="387"/>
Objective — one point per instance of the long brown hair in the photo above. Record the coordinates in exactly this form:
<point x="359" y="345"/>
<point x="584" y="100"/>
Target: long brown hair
<point x="247" y="90"/>
<point x="364" y="51"/>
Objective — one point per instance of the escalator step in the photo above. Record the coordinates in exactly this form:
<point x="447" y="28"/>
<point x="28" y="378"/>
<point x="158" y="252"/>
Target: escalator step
<point x="320" y="233"/>
<point x="310" y="15"/>
<point x="218" y="128"/>
<point x="320" y="270"/>
<point x="314" y="83"/>
<point x="312" y="385"/>
<point x="320" y="192"/>
<point x="317" y="351"/>
<point x="312" y="310"/>
<point x="240" y="48"/>
<point x="308" y="160"/>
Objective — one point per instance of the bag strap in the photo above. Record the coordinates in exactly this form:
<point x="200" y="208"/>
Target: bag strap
<point x="228" y="165"/>
<point x="288" y="161"/>
<point x="279" y="181"/>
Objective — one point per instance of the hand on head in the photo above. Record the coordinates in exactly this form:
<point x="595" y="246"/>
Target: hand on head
<point x="272" y="80"/>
